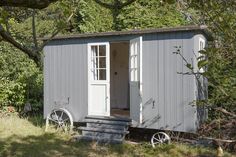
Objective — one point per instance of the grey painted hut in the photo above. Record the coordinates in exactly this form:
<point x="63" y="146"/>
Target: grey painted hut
<point x="128" y="73"/>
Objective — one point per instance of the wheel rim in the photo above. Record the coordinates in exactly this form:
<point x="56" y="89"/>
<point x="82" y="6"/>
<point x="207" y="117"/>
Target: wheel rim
<point x="160" y="138"/>
<point x="59" y="119"/>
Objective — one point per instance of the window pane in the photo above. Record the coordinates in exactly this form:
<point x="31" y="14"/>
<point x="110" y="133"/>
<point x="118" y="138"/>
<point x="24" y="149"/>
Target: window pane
<point x="102" y="50"/>
<point x="132" y="61"/>
<point x="132" y="74"/>
<point x="102" y="74"/>
<point x="95" y="74"/>
<point x="102" y="62"/>
<point x="94" y="51"/>
<point x="94" y="62"/>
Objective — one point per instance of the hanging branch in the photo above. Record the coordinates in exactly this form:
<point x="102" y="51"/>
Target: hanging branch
<point x="197" y="75"/>
<point x="34" y="30"/>
<point x="33" y="53"/>
<point x="7" y="37"/>
<point x="35" y="4"/>
<point x="116" y="5"/>
<point x="106" y="5"/>
<point x="55" y="32"/>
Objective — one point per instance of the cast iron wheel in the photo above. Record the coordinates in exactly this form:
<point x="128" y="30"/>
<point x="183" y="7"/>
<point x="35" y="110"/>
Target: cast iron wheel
<point x="160" y="138"/>
<point x="59" y="119"/>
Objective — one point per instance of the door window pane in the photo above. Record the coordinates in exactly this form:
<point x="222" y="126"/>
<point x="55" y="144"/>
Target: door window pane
<point x="98" y="62"/>
<point x="134" y="61"/>
<point x="102" y="62"/>
<point x="102" y="74"/>
<point x="94" y="51"/>
<point x="95" y="74"/>
<point x="102" y="50"/>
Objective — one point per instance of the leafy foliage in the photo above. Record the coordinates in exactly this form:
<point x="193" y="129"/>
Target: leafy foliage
<point x="150" y="14"/>
<point x="220" y="60"/>
<point x="140" y="14"/>
<point x="20" y="79"/>
<point x="91" y="17"/>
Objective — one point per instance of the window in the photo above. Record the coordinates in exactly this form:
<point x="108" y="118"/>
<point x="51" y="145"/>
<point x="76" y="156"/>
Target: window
<point x="134" y="65"/>
<point x="98" y="61"/>
<point x="201" y="56"/>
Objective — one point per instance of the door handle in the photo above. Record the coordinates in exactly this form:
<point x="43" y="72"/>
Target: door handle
<point x="153" y="104"/>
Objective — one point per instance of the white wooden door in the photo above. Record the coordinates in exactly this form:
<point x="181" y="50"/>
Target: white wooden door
<point x="99" y="79"/>
<point x="135" y="63"/>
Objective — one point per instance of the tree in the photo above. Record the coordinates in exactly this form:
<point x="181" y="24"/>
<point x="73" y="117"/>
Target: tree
<point x="220" y="61"/>
<point x="68" y="8"/>
<point x="34" y="47"/>
<point x="93" y="17"/>
<point x="116" y="6"/>
<point x="34" y="4"/>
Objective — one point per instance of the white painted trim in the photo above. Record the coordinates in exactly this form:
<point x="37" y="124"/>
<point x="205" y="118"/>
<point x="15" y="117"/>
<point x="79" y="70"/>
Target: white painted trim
<point x="199" y="41"/>
<point x="107" y="81"/>
<point x="199" y="49"/>
<point x="141" y="77"/>
<point x="138" y="40"/>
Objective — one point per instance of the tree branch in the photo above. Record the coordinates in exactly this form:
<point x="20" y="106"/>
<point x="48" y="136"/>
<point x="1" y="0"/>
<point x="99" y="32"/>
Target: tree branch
<point x="54" y="33"/>
<point x="34" y="30"/>
<point x="106" y="5"/>
<point x="116" y="5"/>
<point x="127" y="3"/>
<point x="220" y="109"/>
<point x="34" y="4"/>
<point x="7" y="37"/>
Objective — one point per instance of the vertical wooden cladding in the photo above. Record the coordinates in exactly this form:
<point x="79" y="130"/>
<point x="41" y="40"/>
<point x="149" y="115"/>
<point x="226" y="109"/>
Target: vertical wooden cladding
<point x="65" y="77"/>
<point x="167" y="95"/>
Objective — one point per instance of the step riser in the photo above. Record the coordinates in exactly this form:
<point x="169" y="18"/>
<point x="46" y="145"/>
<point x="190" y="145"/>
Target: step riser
<point x="109" y="118"/>
<point x="108" y="129"/>
<point x="107" y="126"/>
<point x="108" y="122"/>
<point x="102" y="135"/>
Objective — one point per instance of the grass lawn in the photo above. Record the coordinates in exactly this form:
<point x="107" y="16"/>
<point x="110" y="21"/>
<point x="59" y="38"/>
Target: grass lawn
<point x="26" y="138"/>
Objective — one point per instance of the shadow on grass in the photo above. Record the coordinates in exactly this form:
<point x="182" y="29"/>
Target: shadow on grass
<point x="37" y="120"/>
<point x="48" y="145"/>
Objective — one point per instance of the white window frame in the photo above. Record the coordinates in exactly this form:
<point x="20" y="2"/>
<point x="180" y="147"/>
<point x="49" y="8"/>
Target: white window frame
<point x="201" y="46"/>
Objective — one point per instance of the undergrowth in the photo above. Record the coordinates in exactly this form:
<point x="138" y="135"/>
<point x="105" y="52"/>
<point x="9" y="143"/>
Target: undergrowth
<point x="26" y="137"/>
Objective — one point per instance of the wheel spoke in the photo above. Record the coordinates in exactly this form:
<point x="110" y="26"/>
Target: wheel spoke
<point x="53" y="120"/>
<point x="65" y="120"/>
<point x="156" y="142"/>
<point x="61" y="115"/>
<point x="56" y="115"/>
<point x="155" y="138"/>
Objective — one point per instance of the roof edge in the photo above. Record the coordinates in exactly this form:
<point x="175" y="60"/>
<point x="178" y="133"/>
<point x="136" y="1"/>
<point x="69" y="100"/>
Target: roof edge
<point x="201" y="28"/>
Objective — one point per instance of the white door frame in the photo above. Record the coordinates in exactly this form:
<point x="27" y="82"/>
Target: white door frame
<point x="99" y="82"/>
<point x="136" y="49"/>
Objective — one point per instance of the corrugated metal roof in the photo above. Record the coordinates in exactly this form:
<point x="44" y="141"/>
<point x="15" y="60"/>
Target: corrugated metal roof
<point x="201" y="28"/>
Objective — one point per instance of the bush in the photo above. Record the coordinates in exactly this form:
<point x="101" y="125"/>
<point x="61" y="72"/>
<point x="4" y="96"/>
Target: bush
<point x="21" y="81"/>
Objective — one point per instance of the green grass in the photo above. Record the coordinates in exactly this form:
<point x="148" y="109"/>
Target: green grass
<point x="26" y="138"/>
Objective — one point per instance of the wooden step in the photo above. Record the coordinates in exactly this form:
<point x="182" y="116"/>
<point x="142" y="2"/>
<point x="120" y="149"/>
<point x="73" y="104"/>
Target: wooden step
<point x="109" y="118"/>
<point x="101" y="135"/>
<point x="114" y="131"/>
<point x="103" y="128"/>
<point x="102" y="121"/>
<point x="107" y="126"/>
